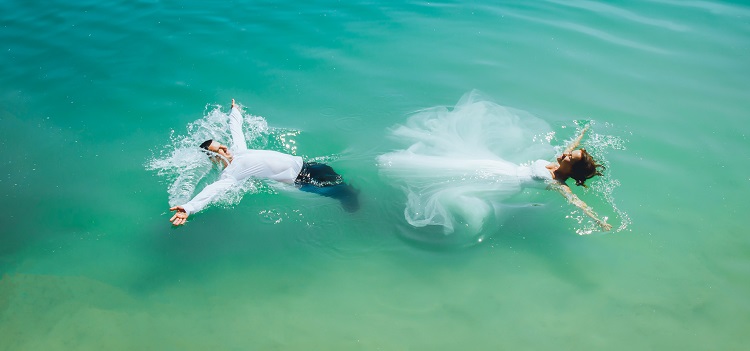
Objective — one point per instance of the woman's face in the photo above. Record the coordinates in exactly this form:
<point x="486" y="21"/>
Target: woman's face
<point x="568" y="159"/>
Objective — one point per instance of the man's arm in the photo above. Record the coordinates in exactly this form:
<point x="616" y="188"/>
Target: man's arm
<point x="577" y="141"/>
<point x="573" y="199"/>
<point x="235" y="127"/>
<point x="200" y="201"/>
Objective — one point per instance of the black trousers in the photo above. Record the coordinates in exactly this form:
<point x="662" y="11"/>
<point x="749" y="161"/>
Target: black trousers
<point x="318" y="174"/>
<point x="321" y="179"/>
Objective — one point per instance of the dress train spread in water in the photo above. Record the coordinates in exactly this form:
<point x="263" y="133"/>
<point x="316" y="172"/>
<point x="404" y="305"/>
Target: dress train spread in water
<point x="462" y="163"/>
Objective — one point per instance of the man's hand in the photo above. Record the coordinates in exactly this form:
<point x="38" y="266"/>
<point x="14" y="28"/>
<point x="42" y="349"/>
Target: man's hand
<point x="180" y="217"/>
<point x="606" y="226"/>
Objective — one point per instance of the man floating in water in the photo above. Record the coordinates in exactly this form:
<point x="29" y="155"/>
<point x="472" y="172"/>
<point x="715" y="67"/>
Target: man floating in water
<point x="241" y="163"/>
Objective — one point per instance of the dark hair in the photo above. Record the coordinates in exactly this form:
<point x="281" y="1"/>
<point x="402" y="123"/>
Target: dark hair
<point x="585" y="168"/>
<point x="205" y="145"/>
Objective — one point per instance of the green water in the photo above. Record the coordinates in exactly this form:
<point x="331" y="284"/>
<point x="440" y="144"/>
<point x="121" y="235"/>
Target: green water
<point x="91" y="92"/>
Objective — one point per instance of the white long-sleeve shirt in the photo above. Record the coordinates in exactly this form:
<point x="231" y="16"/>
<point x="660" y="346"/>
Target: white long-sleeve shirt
<point x="246" y="163"/>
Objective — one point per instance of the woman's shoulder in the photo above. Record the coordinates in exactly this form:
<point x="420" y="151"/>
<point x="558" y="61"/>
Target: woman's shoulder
<point x="539" y="170"/>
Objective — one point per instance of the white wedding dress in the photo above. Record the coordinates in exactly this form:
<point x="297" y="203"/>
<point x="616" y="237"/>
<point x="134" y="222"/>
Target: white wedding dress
<point x="461" y="164"/>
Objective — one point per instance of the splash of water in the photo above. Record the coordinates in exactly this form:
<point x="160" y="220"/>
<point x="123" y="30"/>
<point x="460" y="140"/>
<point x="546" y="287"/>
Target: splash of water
<point x="185" y="167"/>
<point x="603" y="187"/>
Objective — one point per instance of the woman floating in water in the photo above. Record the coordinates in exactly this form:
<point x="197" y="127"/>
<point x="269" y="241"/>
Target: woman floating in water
<point x="466" y="163"/>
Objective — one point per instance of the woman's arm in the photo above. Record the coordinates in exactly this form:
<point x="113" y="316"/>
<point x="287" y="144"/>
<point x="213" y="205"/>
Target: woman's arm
<point x="577" y="141"/>
<point x="573" y="199"/>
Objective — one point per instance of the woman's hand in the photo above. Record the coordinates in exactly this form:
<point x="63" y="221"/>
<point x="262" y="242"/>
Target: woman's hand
<point x="180" y="217"/>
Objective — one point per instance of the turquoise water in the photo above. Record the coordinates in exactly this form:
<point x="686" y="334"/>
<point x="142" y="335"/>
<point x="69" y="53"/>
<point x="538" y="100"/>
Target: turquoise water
<point x="92" y="93"/>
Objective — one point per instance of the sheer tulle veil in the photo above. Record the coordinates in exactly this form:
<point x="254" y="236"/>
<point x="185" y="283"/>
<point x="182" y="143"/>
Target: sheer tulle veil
<point x="459" y="164"/>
